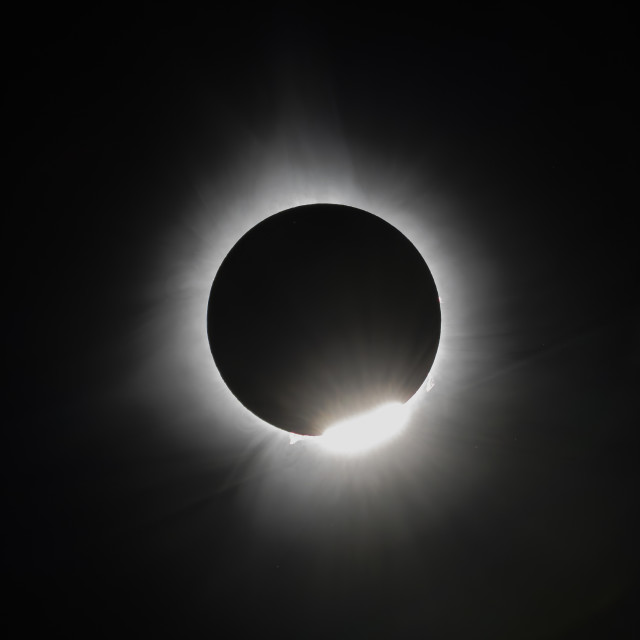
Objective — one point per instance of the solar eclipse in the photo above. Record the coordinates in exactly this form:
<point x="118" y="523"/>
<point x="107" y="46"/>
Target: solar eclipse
<point x="322" y="313"/>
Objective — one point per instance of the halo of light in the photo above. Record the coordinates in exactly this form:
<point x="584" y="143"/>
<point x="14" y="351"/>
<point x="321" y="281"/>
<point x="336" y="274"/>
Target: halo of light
<point x="174" y="370"/>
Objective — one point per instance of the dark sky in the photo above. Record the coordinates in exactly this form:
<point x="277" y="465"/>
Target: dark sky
<point x="140" y="500"/>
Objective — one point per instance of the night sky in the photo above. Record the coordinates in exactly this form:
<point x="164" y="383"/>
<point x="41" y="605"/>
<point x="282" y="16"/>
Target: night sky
<point x="141" y="499"/>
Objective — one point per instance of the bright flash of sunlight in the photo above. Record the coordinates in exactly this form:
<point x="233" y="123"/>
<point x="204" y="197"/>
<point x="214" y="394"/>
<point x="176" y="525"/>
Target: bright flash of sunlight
<point x="366" y="431"/>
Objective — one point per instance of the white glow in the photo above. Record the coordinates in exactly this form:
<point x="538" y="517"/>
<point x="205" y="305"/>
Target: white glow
<point x="367" y="431"/>
<point x="299" y="162"/>
<point x="256" y="171"/>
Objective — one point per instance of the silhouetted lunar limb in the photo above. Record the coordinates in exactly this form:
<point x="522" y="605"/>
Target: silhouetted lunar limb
<point x="321" y="312"/>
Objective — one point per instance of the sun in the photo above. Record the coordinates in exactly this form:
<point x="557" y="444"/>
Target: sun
<point x="367" y="431"/>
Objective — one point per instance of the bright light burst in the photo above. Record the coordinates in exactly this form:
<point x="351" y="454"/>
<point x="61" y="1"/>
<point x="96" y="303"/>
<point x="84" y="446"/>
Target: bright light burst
<point x="366" y="431"/>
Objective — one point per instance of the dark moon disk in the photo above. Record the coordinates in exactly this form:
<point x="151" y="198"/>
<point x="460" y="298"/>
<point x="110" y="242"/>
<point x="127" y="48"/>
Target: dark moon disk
<point x="321" y="312"/>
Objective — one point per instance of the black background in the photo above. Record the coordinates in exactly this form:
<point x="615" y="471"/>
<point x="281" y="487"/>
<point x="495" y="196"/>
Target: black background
<point x="512" y="517"/>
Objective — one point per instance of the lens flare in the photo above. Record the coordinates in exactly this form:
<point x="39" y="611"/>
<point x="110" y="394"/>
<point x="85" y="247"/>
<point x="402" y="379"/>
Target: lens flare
<point x="366" y="431"/>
